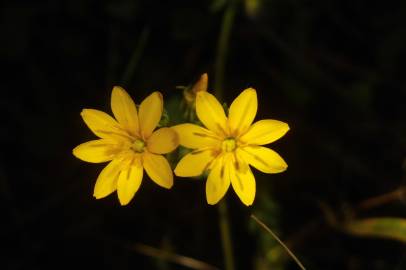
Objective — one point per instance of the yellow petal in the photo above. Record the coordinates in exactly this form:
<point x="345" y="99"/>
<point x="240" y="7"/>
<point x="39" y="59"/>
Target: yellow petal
<point x="194" y="136"/>
<point x="129" y="182"/>
<point x="211" y="113"/>
<point x="262" y="158"/>
<point x="107" y="181"/>
<point x="124" y="110"/>
<point x="242" y="111"/>
<point x="243" y="182"/>
<point x="264" y="132"/>
<point x="103" y="125"/>
<point x="150" y="113"/>
<point x="162" y="141"/>
<point x="218" y="181"/>
<point x="158" y="169"/>
<point x="194" y="163"/>
<point x="97" y="151"/>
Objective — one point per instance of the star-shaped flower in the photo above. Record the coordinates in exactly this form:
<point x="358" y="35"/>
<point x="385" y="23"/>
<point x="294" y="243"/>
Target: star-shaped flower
<point x="130" y="143"/>
<point x="228" y="145"/>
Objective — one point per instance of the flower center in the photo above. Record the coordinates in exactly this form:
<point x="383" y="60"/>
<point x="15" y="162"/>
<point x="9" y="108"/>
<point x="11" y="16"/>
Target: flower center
<point x="138" y="146"/>
<point x="228" y="145"/>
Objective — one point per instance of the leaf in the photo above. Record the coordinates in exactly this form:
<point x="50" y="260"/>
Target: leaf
<point x="386" y="227"/>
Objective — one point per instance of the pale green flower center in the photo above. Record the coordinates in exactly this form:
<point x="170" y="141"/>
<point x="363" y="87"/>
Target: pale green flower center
<point x="228" y="145"/>
<point x="138" y="146"/>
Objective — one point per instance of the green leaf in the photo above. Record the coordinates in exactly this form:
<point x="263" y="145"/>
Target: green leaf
<point x="386" y="227"/>
<point x="164" y="122"/>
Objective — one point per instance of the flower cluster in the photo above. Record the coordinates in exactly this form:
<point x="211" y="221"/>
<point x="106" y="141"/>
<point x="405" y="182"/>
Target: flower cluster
<point x="226" y="146"/>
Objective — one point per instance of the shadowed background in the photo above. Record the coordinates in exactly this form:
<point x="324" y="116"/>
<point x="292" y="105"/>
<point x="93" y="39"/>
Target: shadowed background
<point x="332" y="70"/>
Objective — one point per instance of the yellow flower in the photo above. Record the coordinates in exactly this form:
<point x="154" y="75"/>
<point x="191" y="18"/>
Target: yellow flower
<point x="130" y="143"/>
<point x="229" y="145"/>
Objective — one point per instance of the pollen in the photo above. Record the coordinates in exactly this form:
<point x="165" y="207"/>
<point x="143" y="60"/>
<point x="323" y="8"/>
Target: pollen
<point x="138" y="146"/>
<point x="228" y="145"/>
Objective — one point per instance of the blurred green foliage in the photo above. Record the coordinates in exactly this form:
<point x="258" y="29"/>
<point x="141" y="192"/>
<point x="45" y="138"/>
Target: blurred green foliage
<point x="391" y="228"/>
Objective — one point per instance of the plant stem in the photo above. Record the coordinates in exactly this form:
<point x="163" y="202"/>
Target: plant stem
<point x="222" y="47"/>
<point x="389" y="197"/>
<point x="279" y="241"/>
<point x="171" y="257"/>
<point x="135" y="57"/>
<point x="219" y="68"/>
<point x="226" y="236"/>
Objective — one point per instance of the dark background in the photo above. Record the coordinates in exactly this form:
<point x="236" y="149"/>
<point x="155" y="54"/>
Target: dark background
<point x="333" y="70"/>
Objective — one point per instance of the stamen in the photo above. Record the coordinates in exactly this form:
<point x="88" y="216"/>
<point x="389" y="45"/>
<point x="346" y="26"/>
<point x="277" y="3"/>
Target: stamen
<point x="138" y="146"/>
<point x="228" y="145"/>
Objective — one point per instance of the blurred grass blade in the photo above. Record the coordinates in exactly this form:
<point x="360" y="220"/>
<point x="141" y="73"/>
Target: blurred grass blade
<point x="222" y="47"/>
<point x="172" y="257"/>
<point x="293" y="256"/>
<point x="135" y="57"/>
<point x="217" y="5"/>
<point x="387" y="227"/>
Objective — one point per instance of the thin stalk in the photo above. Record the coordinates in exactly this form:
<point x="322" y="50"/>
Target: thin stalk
<point x="172" y="257"/>
<point x="226" y="236"/>
<point x="222" y="47"/>
<point x="396" y="195"/>
<point x="219" y="70"/>
<point x="279" y="241"/>
<point x="135" y="57"/>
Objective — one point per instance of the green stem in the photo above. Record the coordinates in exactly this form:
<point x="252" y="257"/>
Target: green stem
<point x="226" y="236"/>
<point x="219" y="68"/>
<point x="135" y="57"/>
<point x="222" y="47"/>
<point x="279" y="241"/>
